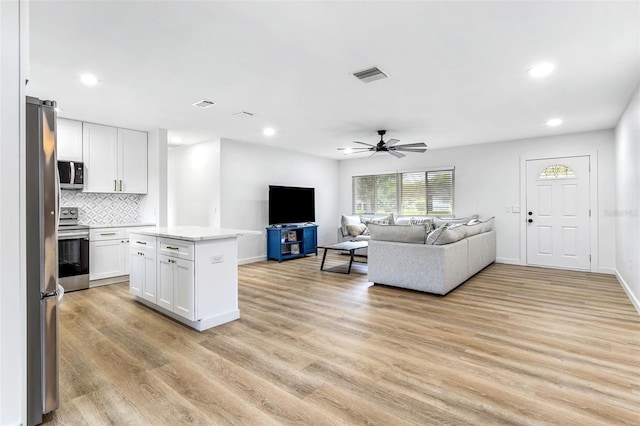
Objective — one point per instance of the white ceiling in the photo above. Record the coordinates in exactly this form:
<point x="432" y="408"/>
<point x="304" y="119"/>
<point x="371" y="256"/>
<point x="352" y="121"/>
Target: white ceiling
<point x="457" y="69"/>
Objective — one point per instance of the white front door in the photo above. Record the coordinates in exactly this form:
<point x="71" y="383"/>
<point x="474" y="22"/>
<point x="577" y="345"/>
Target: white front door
<point x="558" y="215"/>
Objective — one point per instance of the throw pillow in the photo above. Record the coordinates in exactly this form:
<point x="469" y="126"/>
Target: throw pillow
<point x="444" y="220"/>
<point x="387" y="220"/>
<point x="348" y="220"/>
<point x="398" y="233"/>
<point x="402" y="220"/>
<point x="426" y="221"/>
<point x="355" y="230"/>
<point x="451" y="234"/>
<point x="435" y="234"/>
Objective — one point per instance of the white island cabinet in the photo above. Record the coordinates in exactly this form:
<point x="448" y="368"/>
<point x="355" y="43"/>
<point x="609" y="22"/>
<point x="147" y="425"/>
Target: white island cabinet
<point x="189" y="273"/>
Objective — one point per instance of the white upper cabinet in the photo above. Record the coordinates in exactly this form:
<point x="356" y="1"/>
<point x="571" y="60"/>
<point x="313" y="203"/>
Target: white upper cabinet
<point x="69" y="141"/>
<point x="132" y="167"/>
<point x="100" y="150"/>
<point x="115" y="159"/>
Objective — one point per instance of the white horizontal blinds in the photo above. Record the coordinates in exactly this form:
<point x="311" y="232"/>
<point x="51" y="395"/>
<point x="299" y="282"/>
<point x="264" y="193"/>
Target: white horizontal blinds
<point x="440" y="192"/>
<point x="413" y="193"/>
<point x="418" y="193"/>
<point x="363" y="194"/>
<point x="386" y="193"/>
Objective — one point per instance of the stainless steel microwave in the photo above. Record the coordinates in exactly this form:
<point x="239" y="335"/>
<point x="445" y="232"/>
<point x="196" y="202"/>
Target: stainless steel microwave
<point x="71" y="174"/>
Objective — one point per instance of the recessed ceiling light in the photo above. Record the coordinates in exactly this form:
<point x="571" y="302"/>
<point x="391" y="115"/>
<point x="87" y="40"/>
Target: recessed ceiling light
<point x="348" y="150"/>
<point x="175" y="140"/>
<point x="58" y="109"/>
<point x="89" y="79"/>
<point x="541" y="70"/>
<point x="554" y="122"/>
<point x="269" y="131"/>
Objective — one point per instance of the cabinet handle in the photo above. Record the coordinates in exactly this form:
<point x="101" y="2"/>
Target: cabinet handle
<point x="115" y="185"/>
<point x="173" y="248"/>
<point x="142" y="242"/>
<point x="108" y="233"/>
<point x="120" y="186"/>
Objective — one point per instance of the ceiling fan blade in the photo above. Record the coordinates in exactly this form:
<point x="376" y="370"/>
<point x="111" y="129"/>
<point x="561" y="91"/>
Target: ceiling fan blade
<point x="396" y="154"/>
<point x="410" y="149"/>
<point x="363" y="143"/>
<point x="392" y="142"/>
<point x="352" y="148"/>
<point x="413" y="145"/>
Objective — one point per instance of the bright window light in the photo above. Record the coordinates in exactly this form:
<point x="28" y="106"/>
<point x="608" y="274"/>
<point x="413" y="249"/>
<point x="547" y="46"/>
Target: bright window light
<point x="269" y="131"/>
<point x="554" y="122"/>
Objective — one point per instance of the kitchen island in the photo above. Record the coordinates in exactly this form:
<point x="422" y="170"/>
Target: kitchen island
<point x="189" y="273"/>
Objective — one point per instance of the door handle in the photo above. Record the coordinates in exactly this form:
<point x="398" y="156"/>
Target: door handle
<point x="530" y="213"/>
<point x="530" y="220"/>
<point x="120" y="186"/>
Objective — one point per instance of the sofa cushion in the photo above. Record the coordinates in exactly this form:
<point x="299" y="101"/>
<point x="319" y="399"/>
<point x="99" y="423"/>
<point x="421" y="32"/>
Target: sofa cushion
<point x="348" y="220"/>
<point x="448" y="233"/>
<point x="357" y="229"/>
<point x="398" y="233"/>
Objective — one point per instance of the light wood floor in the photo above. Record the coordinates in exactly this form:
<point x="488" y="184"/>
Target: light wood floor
<point x="513" y="345"/>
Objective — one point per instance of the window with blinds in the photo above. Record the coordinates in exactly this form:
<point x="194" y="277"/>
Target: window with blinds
<point x="419" y="193"/>
<point x="375" y="194"/>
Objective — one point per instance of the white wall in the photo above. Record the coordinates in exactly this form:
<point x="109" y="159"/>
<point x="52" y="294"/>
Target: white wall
<point x="13" y="22"/>
<point x="627" y="212"/>
<point x="488" y="178"/>
<point x="153" y="206"/>
<point x="193" y="185"/>
<point x="247" y="170"/>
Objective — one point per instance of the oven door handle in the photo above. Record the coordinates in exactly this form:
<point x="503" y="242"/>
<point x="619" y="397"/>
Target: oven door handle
<point x="73" y="236"/>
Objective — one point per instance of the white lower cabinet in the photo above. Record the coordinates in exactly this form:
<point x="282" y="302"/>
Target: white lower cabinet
<point x="176" y="285"/>
<point x="143" y="275"/>
<point x="108" y="249"/>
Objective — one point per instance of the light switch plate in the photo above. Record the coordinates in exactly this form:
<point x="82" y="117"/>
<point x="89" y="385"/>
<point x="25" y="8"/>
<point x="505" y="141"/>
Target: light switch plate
<point x="507" y="209"/>
<point x="515" y="209"/>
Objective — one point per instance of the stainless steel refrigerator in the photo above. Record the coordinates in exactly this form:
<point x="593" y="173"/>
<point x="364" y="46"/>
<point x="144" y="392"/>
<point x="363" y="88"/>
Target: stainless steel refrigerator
<point x="42" y="202"/>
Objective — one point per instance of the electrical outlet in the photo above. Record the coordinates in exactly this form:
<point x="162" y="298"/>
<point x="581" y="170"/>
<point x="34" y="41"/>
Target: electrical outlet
<point x="218" y="258"/>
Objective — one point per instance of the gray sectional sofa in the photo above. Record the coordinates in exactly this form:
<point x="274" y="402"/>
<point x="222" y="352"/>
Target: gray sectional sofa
<point x="418" y="257"/>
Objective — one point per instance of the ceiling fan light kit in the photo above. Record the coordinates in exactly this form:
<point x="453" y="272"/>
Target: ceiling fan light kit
<point x="389" y="146"/>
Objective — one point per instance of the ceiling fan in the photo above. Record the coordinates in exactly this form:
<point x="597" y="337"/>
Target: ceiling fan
<point x="388" y="146"/>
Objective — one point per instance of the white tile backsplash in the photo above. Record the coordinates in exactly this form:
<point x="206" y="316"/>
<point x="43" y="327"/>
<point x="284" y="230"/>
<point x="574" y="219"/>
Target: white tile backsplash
<point x="97" y="209"/>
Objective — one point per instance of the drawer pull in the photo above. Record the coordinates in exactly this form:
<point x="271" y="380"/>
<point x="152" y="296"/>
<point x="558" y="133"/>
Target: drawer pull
<point x="108" y="233"/>
<point x="141" y="242"/>
<point x="173" y="248"/>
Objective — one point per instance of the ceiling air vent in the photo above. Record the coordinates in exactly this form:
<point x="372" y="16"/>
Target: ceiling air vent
<point x="370" y="74"/>
<point x="243" y="114"/>
<point x="204" y="104"/>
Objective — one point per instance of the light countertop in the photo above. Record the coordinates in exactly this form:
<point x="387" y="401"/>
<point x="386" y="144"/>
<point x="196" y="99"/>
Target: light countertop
<point x="120" y="225"/>
<point x="196" y="233"/>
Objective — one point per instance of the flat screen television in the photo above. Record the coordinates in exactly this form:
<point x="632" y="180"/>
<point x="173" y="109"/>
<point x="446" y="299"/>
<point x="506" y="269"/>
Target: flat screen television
<point x="290" y="204"/>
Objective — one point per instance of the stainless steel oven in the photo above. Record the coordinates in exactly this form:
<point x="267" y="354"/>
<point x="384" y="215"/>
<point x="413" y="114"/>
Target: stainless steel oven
<point x="73" y="251"/>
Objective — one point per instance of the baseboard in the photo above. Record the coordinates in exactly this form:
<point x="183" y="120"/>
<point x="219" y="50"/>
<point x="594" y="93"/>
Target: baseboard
<point x="632" y="297"/>
<point x="608" y="271"/>
<point x="251" y="260"/>
<point x="508" y="260"/>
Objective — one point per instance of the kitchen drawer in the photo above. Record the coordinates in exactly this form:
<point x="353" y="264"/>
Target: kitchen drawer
<point x="107" y="234"/>
<point x="176" y="248"/>
<point x="140" y="241"/>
